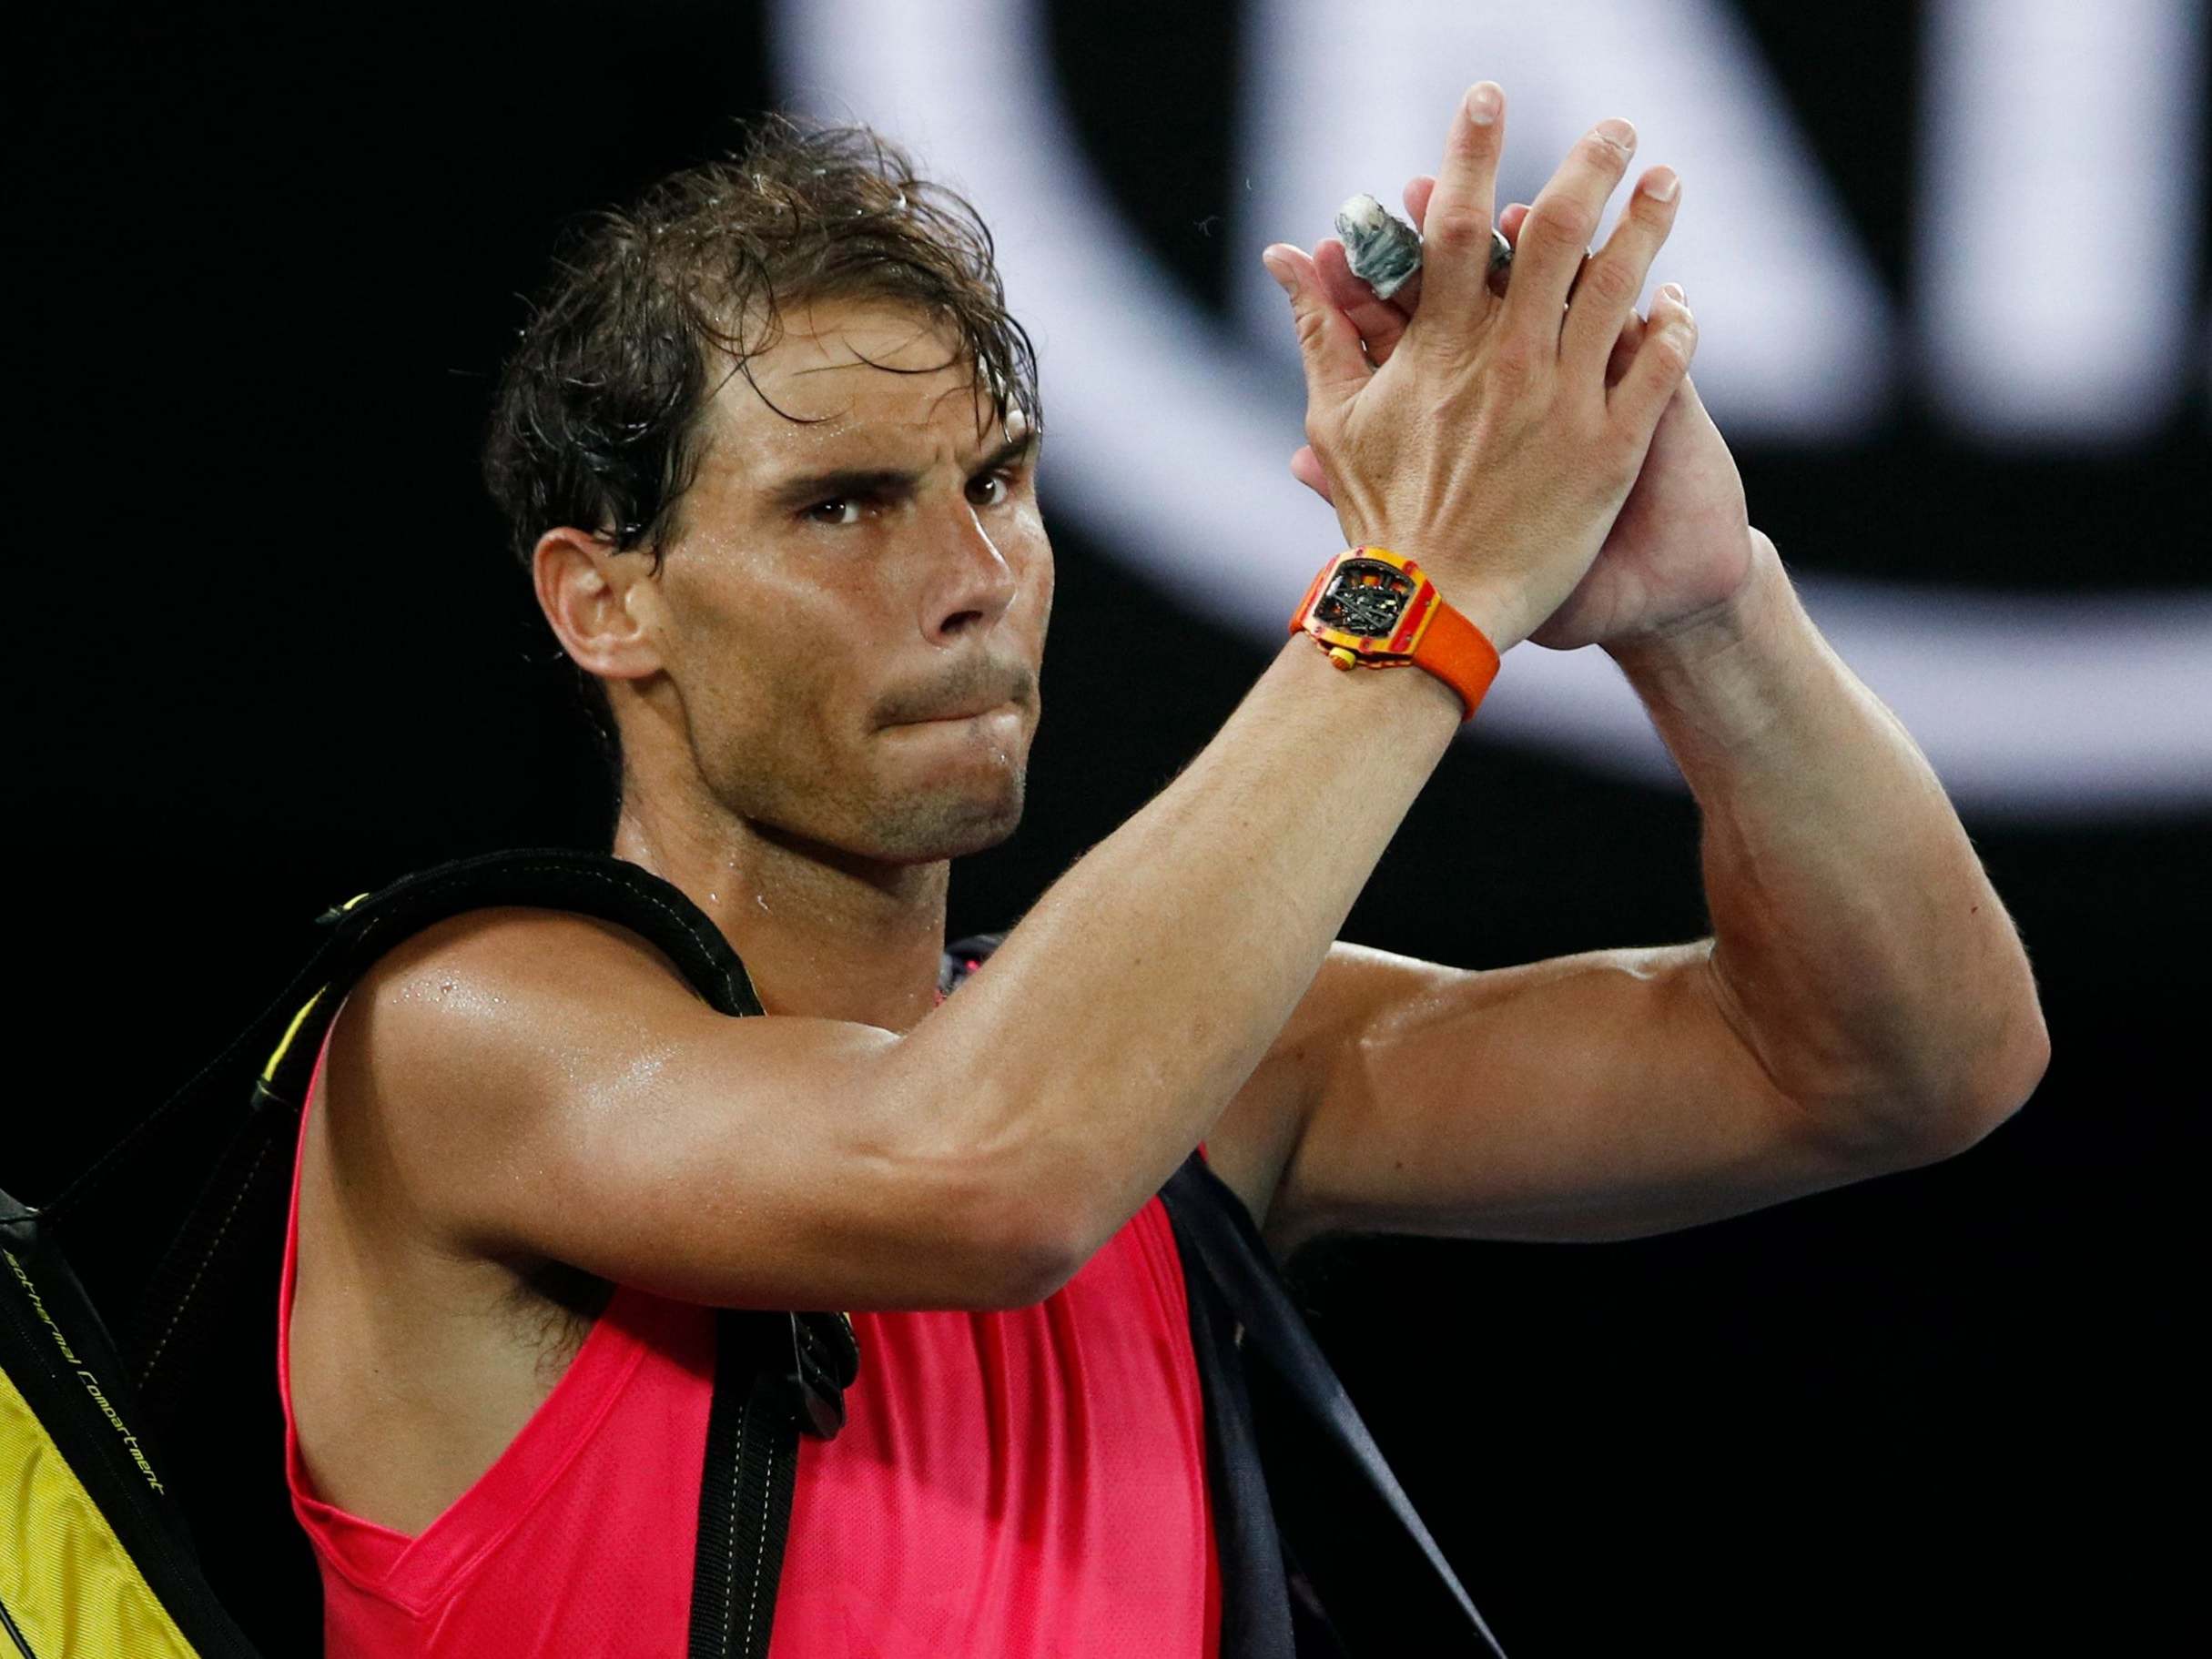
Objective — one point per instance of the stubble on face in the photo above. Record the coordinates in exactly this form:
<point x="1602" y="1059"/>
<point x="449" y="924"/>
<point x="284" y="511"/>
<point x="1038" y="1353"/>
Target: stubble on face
<point x="800" y="660"/>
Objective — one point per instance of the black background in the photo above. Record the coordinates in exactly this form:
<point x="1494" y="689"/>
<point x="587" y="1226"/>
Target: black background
<point x="268" y="652"/>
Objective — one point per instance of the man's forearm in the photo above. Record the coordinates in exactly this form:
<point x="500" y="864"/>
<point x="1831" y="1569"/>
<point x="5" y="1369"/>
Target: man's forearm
<point x="1121" y="1017"/>
<point x="1858" y="942"/>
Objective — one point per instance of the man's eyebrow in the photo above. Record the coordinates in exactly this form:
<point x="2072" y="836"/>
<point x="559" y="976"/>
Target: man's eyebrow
<point x="844" y="482"/>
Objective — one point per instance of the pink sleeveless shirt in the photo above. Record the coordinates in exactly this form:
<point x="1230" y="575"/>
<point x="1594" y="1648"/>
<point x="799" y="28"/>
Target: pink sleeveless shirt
<point x="1008" y="1485"/>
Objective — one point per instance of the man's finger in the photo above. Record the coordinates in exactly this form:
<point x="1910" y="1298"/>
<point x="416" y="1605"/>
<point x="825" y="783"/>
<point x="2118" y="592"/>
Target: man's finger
<point x="1380" y="322"/>
<point x="1335" y="368"/>
<point x="1510" y="224"/>
<point x="1555" y="234"/>
<point x="1624" y="349"/>
<point x="1604" y="296"/>
<point x="1456" y="240"/>
<point x="1419" y="189"/>
<point x="1660" y="362"/>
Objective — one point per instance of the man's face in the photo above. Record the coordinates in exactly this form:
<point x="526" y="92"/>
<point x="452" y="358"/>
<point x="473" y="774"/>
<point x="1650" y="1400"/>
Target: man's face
<point x="854" y="659"/>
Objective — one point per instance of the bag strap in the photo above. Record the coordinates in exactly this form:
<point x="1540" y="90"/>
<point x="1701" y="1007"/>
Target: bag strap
<point x="1306" y="1420"/>
<point x="221" y="1229"/>
<point x="365" y="927"/>
<point x="1256" y="1608"/>
<point x="747" y="1485"/>
<point x="777" y="1374"/>
<point x="1274" y="1401"/>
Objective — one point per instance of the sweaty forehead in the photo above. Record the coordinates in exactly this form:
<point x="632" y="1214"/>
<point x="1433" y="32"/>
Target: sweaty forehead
<point x="853" y="370"/>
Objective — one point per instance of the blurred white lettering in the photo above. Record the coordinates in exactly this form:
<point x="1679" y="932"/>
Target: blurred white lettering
<point x="1794" y="324"/>
<point x="2058" y="215"/>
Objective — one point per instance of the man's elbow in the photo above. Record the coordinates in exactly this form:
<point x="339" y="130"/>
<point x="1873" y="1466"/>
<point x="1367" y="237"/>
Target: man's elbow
<point x="1989" y="1092"/>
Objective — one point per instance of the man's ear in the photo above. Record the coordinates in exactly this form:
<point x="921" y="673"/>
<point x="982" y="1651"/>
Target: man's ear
<point x="582" y="586"/>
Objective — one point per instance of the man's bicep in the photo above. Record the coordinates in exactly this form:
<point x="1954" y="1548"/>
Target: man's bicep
<point x="1588" y="1098"/>
<point x="537" y="1084"/>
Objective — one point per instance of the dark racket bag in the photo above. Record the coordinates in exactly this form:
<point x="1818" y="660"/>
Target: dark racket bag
<point x="98" y="1558"/>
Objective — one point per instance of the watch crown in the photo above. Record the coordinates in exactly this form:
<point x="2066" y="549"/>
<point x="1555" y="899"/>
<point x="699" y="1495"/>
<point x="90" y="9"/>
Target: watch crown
<point x="1343" y="658"/>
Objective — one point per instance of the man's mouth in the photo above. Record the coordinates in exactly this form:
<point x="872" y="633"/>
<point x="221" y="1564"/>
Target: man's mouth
<point x="1000" y="692"/>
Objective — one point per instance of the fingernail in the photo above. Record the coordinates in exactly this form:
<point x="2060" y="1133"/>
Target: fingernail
<point x="1616" y="132"/>
<point x="1665" y="183"/>
<point x="1483" y="99"/>
<point x="1281" y="269"/>
<point x="1673" y="291"/>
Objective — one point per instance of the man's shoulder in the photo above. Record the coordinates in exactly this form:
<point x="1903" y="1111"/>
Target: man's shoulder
<point x="529" y="949"/>
<point x="455" y="1028"/>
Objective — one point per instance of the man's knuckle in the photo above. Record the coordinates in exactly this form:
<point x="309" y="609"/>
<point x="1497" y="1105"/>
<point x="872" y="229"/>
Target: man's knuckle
<point x="1454" y="231"/>
<point x="1603" y="153"/>
<point x="1514" y="357"/>
<point x="1560" y="226"/>
<point x="1609" y="284"/>
<point x="1670" y="350"/>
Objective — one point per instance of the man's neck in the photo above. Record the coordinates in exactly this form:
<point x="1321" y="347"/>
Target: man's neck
<point x="820" y="934"/>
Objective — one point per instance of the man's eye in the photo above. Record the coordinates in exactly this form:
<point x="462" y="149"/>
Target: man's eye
<point x="1004" y="483"/>
<point x="835" y="509"/>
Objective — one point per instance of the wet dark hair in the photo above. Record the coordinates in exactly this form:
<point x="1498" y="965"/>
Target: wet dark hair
<point x="598" y="422"/>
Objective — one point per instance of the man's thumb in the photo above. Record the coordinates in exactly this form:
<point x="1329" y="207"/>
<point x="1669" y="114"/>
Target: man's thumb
<point x="1336" y="367"/>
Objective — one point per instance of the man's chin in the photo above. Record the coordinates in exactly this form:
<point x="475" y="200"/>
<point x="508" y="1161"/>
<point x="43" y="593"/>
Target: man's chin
<point x="932" y="828"/>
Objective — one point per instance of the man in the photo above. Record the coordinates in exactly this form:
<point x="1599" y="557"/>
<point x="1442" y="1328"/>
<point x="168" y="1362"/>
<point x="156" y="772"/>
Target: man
<point x="770" y="447"/>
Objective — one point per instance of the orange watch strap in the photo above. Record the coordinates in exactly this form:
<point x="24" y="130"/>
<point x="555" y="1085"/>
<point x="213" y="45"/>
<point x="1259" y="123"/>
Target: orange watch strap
<point x="1450" y="647"/>
<point x="1458" y="653"/>
<point x="1313" y="593"/>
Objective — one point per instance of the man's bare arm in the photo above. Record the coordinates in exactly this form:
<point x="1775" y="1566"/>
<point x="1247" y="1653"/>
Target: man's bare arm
<point x="525" y="1084"/>
<point x="1865" y="1006"/>
<point x="1859" y="946"/>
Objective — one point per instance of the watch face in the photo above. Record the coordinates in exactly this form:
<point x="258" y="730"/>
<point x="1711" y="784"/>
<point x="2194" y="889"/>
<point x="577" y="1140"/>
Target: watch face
<point x="1365" y="597"/>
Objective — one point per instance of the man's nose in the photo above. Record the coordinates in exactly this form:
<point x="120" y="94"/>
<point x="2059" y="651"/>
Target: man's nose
<point x="971" y="582"/>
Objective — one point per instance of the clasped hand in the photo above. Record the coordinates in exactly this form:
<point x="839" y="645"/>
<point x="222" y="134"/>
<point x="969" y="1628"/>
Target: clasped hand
<point x="1541" y="449"/>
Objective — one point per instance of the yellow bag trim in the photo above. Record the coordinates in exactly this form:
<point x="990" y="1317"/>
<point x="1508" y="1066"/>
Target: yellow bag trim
<point x="66" y="1581"/>
<point x="269" y="1072"/>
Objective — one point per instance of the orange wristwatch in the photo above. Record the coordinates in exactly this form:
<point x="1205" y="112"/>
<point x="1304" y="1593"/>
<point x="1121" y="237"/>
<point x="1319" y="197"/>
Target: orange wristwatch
<point x="1370" y="608"/>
